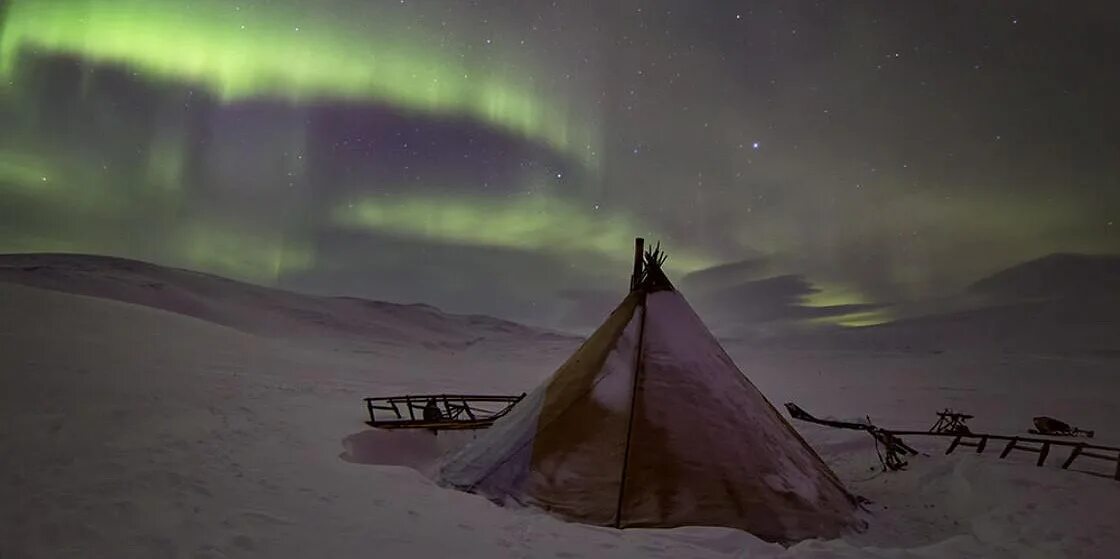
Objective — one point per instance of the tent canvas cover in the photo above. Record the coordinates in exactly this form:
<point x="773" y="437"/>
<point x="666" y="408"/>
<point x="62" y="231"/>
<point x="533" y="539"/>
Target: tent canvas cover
<point x="650" y="424"/>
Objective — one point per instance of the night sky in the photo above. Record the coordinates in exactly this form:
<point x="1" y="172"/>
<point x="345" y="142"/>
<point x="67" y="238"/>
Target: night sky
<point x="834" y="161"/>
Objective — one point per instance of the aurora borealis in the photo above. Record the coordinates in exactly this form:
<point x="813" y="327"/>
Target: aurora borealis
<point x="843" y="158"/>
<point x="268" y="53"/>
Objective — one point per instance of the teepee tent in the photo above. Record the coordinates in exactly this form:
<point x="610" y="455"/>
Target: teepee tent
<point x="650" y="424"/>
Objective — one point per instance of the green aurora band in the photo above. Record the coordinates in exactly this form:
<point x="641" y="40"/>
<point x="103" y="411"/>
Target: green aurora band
<point x="831" y="295"/>
<point x="240" y="253"/>
<point x="66" y="193"/>
<point x="55" y="183"/>
<point x="278" y="55"/>
<point x="527" y="223"/>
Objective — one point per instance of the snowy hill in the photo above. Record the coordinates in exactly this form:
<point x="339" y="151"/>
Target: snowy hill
<point x="134" y="431"/>
<point x="254" y="309"/>
<point x="1057" y="276"/>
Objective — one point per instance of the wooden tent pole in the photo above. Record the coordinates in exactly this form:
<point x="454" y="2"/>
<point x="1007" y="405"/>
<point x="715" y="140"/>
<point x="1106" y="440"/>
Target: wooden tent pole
<point x="636" y="276"/>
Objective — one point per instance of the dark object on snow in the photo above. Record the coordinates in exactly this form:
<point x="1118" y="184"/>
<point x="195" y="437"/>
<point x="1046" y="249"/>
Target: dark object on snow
<point x="439" y="411"/>
<point x="949" y="421"/>
<point x="1049" y="426"/>
<point x="431" y="411"/>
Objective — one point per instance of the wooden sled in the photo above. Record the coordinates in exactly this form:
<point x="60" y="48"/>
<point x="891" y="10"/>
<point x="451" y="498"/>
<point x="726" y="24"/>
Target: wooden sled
<point x="896" y="448"/>
<point x="439" y="411"/>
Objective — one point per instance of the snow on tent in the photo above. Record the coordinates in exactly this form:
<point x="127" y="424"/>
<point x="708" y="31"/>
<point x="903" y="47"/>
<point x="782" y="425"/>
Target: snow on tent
<point x="650" y="424"/>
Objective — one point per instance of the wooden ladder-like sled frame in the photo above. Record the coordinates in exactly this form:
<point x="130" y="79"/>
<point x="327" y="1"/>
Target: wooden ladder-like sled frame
<point x="456" y="411"/>
<point x="979" y="441"/>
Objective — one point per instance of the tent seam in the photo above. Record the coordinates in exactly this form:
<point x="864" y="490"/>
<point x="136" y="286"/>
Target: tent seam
<point x="630" y="421"/>
<point x="484" y="477"/>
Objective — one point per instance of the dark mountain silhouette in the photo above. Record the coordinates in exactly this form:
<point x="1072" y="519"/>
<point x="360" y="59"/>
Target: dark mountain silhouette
<point x="1057" y="276"/>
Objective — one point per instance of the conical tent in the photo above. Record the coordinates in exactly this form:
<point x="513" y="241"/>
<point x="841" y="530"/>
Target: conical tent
<point x="650" y="424"/>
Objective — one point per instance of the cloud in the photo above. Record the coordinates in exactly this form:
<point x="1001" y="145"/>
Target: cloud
<point x="745" y="296"/>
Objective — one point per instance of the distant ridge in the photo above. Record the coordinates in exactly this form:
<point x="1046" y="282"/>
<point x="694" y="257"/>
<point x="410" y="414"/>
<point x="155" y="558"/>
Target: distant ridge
<point x="255" y="309"/>
<point x="1061" y="303"/>
<point x="1061" y="275"/>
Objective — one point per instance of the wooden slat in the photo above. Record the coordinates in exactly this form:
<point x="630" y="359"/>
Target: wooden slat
<point x="1072" y="456"/>
<point x="960" y="440"/>
<point x="1007" y="449"/>
<point x="953" y="446"/>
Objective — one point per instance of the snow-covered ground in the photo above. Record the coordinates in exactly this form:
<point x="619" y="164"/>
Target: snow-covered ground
<point x="131" y="431"/>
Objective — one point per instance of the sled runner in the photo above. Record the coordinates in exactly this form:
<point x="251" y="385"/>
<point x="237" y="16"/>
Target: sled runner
<point x="1049" y="426"/>
<point x="438" y="411"/>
